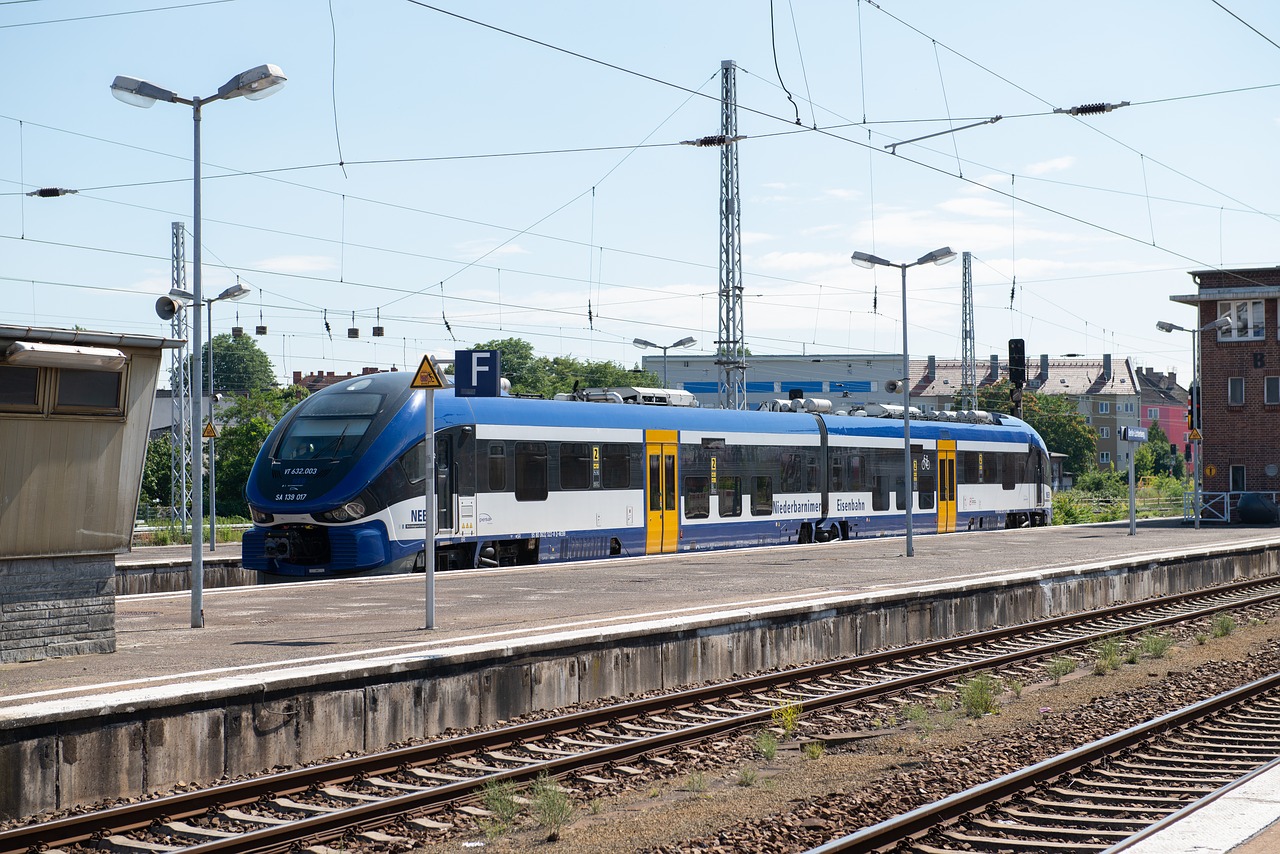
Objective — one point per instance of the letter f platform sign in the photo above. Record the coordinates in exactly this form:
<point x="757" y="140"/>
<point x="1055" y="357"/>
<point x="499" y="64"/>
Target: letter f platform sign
<point x="477" y="373"/>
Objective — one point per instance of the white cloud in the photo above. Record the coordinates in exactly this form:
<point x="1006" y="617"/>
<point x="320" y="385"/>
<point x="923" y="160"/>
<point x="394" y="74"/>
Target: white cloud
<point x="296" y="264"/>
<point x="1057" y="164"/>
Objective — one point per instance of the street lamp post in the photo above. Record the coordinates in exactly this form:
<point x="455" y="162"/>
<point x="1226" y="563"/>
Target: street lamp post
<point x="1194" y="395"/>
<point x="683" y="342"/>
<point x="236" y="291"/>
<point x="939" y="257"/>
<point x="253" y="84"/>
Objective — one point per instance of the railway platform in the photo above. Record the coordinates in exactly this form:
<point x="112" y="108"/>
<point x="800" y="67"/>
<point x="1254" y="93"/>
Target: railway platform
<point x="287" y="673"/>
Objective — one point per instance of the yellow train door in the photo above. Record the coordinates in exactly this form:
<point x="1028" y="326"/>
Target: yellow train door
<point x="946" y="486"/>
<point x="662" y="532"/>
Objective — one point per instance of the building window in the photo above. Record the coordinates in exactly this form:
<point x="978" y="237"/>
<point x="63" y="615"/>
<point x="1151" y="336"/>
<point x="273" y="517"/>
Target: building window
<point x="1237" y="479"/>
<point x="1271" y="390"/>
<point x="1248" y="321"/>
<point x="1103" y="407"/>
<point x="19" y="388"/>
<point x="1235" y="391"/>
<point x="1104" y="458"/>
<point x="1153" y="413"/>
<point x="1104" y="432"/>
<point x="1127" y="407"/>
<point x="89" y="391"/>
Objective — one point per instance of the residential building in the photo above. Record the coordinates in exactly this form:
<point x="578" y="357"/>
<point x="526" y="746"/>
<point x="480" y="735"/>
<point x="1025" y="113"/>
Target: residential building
<point x="1163" y="402"/>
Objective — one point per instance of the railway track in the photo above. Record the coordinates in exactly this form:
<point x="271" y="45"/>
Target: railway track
<point x="1094" y="797"/>
<point x="395" y="793"/>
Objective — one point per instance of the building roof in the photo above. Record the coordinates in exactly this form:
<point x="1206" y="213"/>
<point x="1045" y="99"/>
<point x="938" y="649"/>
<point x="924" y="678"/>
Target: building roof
<point x="1045" y="375"/>
<point x="1160" y="389"/>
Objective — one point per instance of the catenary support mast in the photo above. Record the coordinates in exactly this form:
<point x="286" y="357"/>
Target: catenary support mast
<point x="968" y="359"/>
<point x="180" y="391"/>
<point x="730" y="347"/>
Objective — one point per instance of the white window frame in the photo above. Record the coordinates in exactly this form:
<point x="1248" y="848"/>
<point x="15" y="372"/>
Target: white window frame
<point x="1153" y="413"/>
<point x="1104" y="432"/>
<point x="1271" y="389"/>
<point x="1235" y="384"/>
<point x="1104" y="458"/>
<point x="1248" y="320"/>
<point x="1104" y="407"/>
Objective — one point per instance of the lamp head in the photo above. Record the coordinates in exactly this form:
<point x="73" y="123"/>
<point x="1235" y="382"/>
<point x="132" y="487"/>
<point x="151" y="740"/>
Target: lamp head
<point x="1166" y="326"/>
<point x="1219" y="324"/>
<point x="180" y="294"/>
<point x="867" y="260"/>
<point x="236" y="291"/>
<point x="938" y="257"/>
<point x="254" y="84"/>
<point x="686" y="342"/>
<point x="642" y="344"/>
<point x="140" y="93"/>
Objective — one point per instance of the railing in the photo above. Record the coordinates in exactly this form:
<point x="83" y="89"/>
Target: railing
<point x="1217" y="506"/>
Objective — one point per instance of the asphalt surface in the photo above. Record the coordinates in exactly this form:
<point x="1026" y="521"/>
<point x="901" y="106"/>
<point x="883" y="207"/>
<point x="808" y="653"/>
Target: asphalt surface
<point x="251" y="629"/>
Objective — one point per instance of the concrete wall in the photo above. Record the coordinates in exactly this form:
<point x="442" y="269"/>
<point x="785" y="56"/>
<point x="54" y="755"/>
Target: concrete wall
<point x="57" y="755"/>
<point x="56" y="606"/>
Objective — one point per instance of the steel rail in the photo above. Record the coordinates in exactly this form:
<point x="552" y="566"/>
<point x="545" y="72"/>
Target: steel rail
<point x="891" y="832"/>
<point x="87" y="827"/>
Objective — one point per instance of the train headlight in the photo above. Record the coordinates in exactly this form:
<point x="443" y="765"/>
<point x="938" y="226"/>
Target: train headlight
<point x="261" y="517"/>
<point x="349" y="512"/>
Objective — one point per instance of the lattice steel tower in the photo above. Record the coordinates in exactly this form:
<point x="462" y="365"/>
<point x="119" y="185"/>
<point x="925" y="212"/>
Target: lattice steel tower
<point x="180" y="392"/>
<point x="730" y="347"/>
<point x="968" y="360"/>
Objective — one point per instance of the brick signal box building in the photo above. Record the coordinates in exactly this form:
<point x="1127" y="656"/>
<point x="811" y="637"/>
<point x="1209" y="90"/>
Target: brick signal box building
<point x="1240" y="378"/>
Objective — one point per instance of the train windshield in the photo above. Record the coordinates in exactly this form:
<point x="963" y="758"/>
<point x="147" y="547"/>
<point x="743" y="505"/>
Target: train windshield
<point x="329" y="427"/>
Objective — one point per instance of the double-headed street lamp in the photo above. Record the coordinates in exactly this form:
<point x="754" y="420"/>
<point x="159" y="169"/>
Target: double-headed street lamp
<point x="937" y="256"/>
<point x="236" y="291"/>
<point x="1194" y="398"/>
<point x="683" y="342"/>
<point x="253" y="84"/>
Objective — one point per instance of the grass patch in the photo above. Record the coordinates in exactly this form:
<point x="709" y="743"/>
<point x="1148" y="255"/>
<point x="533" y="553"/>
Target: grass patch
<point x="1061" y="666"/>
<point x="766" y="744"/>
<point x="786" y="717"/>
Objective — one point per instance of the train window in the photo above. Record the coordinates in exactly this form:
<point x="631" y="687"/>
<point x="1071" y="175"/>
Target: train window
<point x="792" y="470"/>
<point x="615" y="466"/>
<point x="853" y="474"/>
<point x="901" y="492"/>
<point x="80" y="390"/>
<point x="669" y="480"/>
<point x="810" y="473"/>
<point x="531" y="471"/>
<point x="575" y="465"/>
<point x="19" y="387"/>
<point x="927" y="485"/>
<point x="730" y="497"/>
<point x="880" y="495"/>
<point x="414" y="463"/>
<point x="837" y="472"/>
<point x="497" y="467"/>
<point x="761" y="496"/>
<point x="968" y="467"/>
<point x="697" y="498"/>
<point x="655" y="482"/>
<point x="1010" y="470"/>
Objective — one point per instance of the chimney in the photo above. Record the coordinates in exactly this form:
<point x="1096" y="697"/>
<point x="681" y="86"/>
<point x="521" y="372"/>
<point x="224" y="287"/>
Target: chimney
<point x="297" y="377"/>
<point x="931" y="370"/>
<point x="1044" y="368"/>
<point x="1106" y="366"/>
<point x="994" y="373"/>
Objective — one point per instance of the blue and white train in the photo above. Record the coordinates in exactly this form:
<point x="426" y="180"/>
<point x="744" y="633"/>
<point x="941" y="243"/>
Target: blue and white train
<point x="339" y="486"/>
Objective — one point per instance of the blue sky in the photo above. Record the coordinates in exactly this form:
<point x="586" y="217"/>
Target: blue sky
<point x="518" y="174"/>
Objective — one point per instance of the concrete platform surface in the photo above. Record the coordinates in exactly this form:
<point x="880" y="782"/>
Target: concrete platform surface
<point x="264" y="628"/>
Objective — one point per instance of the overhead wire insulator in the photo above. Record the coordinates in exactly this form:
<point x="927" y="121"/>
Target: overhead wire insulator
<point x="1091" y="109"/>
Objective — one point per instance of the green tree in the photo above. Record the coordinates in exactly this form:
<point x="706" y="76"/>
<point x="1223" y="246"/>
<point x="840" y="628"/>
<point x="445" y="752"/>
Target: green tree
<point x="157" y="472"/>
<point x="248" y="419"/>
<point x="531" y="374"/>
<point x="1165" y="458"/>
<point x="239" y="366"/>
<point x="1054" y="416"/>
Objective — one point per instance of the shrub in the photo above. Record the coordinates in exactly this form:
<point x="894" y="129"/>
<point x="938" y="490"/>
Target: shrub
<point x="786" y="717"/>
<point x="1223" y="625"/>
<point x="1155" y="644"/>
<point x="552" y="807"/>
<point x="813" y="750"/>
<point x="978" y="695"/>
<point x="767" y="744"/>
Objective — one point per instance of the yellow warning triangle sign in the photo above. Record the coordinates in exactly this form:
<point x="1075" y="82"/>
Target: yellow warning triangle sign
<point x="210" y="432"/>
<point x="428" y="375"/>
<point x="1194" y="435"/>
